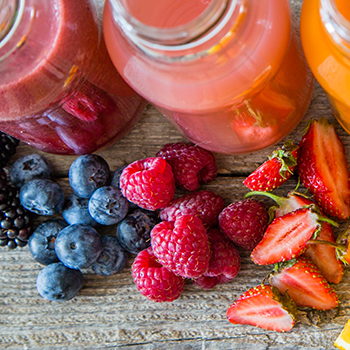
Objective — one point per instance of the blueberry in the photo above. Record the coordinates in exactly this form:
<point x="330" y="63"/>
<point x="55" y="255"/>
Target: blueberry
<point x="115" y="182"/>
<point x="57" y="282"/>
<point x="116" y="176"/>
<point x="133" y="233"/>
<point x="42" y="241"/>
<point x="78" y="246"/>
<point x="42" y="196"/>
<point x="29" y="167"/>
<point x="75" y="211"/>
<point x="108" y="206"/>
<point x="87" y="173"/>
<point x="112" y="259"/>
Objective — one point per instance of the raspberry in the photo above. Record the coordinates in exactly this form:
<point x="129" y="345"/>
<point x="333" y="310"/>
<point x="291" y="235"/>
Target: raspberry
<point x="244" y="222"/>
<point x="205" y="205"/>
<point x="149" y="183"/>
<point x="192" y="166"/>
<point x="153" y="280"/>
<point x="182" y="246"/>
<point x="224" y="261"/>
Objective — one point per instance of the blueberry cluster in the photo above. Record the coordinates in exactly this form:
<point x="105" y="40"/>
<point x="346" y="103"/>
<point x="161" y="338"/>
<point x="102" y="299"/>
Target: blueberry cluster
<point x="71" y="243"/>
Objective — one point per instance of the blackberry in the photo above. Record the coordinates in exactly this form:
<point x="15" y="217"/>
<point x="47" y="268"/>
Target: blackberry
<point x="8" y="145"/>
<point x="15" y="221"/>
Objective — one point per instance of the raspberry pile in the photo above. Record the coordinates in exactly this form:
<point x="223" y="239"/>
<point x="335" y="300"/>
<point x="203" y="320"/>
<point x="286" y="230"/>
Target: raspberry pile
<point x="187" y="243"/>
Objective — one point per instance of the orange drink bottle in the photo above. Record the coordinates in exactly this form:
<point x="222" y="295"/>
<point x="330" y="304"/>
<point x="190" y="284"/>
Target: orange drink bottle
<point x="325" y="36"/>
<point x="230" y="74"/>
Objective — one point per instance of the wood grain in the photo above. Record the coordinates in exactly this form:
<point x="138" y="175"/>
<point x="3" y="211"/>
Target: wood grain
<point x="110" y="313"/>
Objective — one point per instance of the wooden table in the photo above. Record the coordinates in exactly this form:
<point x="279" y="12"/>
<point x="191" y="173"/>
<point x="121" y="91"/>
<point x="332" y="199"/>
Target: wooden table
<point x="110" y="312"/>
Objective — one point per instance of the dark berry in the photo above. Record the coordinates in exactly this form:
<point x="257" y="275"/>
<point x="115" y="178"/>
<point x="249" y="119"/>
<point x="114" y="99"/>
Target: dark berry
<point x="115" y="182"/>
<point x="75" y="211"/>
<point x="16" y="224"/>
<point x="116" y="176"/>
<point x="42" y="241"/>
<point x="87" y="173"/>
<point x="42" y="196"/>
<point x="57" y="282"/>
<point x="112" y="259"/>
<point x="78" y="246"/>
<point x="29" y="167"/>
<point x="134" y="232"/>
<point x="108" y="206"/>
<point x="192" y="165"/>
<point x="8" y="146"/>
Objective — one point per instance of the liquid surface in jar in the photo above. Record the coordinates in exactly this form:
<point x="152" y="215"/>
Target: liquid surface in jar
<point x="166" y="13"/>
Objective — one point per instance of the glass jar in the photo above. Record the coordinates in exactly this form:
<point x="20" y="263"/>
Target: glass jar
<point x="325" y="36"/>
<point x="59" y="91"/>
<point x="230" y="74"/>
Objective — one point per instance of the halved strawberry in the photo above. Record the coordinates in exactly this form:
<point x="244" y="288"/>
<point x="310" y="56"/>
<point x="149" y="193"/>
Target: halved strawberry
<point x="304" y="283"/>
<point x="324" y="256"/>
<point x="286" y="237"/>
<point x="263" y="306"/>
<point x="275" y="171"/>
<point x="324" y="170"/>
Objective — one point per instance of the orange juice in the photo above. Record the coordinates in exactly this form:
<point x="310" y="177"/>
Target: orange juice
<point x="322" y="26"/>
<point x="237" y="85"/>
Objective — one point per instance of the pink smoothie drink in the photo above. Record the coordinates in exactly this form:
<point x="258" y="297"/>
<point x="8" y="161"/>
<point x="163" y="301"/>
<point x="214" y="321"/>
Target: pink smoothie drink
<point x="59" y="91"/>
<point x="249" y="88"/>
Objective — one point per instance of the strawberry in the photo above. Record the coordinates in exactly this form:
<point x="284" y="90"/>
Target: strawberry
<point x="286" y="237"/>
<point x="263" y="306"/>
<point x="293" y="201"/>
<point x="275" y="171"/>
<point x="89" y="103"/>
<point x="304" y="283"/>
<point x="323" y="255"/>
<point x="323" y="168"/>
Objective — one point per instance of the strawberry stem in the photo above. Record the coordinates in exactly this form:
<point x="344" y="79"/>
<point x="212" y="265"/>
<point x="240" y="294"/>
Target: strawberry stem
<point x="329" y="221"/>
<point x="339" y="246"/>
<point x="261" y="193"/>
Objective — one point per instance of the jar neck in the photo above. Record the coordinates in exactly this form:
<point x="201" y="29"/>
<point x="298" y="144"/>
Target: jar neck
<point x="337" y="26"/>
<point x="11" y="12"/>
<point x="187" y="41"/>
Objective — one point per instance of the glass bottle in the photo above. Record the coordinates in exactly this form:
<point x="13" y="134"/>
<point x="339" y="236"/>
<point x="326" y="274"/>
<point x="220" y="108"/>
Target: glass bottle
<point x="230" y="74"/>
<point x="59" y="91"/>
<point x="325" y="36"/>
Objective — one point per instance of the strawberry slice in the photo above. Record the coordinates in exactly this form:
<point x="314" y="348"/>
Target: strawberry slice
<point x="275" y="171"/>
<point x="324" y="256"/>
<point x="323" y="168"/>
<point x="286" y="237"/>
<point x="264" y="307"/>
<point x="89" y="103"/>
<point x="304" y="283"/>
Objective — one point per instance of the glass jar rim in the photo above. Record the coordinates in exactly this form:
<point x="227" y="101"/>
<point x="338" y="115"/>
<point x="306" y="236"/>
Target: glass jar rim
<point x="184" y="37"/>
<point x="13" y="22"/>
<point x="337" y="23"/>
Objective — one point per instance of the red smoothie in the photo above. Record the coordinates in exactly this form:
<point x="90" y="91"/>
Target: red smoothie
<point x="59" y="91"/>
